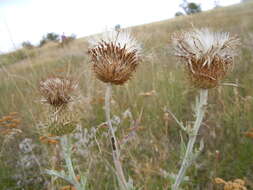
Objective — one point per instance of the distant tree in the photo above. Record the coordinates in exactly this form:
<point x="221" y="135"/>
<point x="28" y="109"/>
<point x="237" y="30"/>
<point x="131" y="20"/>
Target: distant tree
<point x="179" y="13"/>
<point x="53" y="37"/>
<point x="190" y="7"/>
<point x="27" y="45"/>
<point x="117" y="27"/>
<point x="43" y="41"/>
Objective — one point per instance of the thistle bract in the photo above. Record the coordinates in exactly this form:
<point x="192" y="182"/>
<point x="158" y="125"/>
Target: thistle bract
<point x="57" y="91"/>
<point x="60" y="129"/>
<point x="115" y="57"/>
<point x="208" y="55"/>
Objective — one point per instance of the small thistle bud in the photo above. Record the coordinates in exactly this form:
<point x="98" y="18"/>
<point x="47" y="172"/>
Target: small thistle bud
<point x="57" y="91"/>
<point x="60" y="129"/>
<point x="208" y="55"/>
<point x="62" y="123"/>
<point x="115" y="57"/>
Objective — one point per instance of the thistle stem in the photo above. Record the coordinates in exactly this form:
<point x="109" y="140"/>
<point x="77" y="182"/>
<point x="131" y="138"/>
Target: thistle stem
<point x="55" y="160"/>
<point x="200" y="109"/>
<point x="66" y="145"/>
<point x="115" y="147"/>
<point x="70" y="176"/>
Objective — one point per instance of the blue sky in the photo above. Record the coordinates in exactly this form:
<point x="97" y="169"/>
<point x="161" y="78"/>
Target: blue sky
<point x="22" y="20"/>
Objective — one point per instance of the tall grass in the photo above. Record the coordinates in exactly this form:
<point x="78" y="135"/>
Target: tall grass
<point x="154" y="145"/>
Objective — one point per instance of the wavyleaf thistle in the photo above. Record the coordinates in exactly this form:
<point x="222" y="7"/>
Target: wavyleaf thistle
<point x="57" y="91"/>
<point x="208" y="55"/>
<point x="115" y="57"/>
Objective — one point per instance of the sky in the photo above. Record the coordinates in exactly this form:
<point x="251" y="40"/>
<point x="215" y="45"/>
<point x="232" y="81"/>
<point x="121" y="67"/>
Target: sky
<point x="29" y="20"/>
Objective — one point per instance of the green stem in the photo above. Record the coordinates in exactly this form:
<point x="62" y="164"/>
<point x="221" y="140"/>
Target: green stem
<point x="201" y="103"/>
<point x="70" y="176"/>
<point x="66" y="146"/>
<point x="115" y="147"/>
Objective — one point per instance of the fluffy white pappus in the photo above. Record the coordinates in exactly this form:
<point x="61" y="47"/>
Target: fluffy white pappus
<point x="204" y="43"/>
<point x="119" y="38"/>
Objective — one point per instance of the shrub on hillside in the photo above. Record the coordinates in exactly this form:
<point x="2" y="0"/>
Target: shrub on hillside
<point x="52" y="37"/>
<point x="190" y="7"/>
<point x="27" y="45"/>
<point x="49" y="37"/>
<point x="179" y="13"/>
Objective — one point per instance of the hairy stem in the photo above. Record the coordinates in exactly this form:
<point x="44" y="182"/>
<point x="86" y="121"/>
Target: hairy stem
<point x="66" y="145"/>
<point x="55" y="162"/>
<point x="200" y="108"/>
<point x="70" y="176"/>
<point x="115" y="147"/>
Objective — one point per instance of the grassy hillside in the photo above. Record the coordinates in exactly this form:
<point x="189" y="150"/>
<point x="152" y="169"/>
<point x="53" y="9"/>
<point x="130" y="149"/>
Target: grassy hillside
<point x="155" y="149"/>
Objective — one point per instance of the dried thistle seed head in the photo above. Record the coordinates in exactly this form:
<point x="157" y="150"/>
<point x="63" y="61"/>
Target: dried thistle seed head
<point x="208" y="55"/>
<point x="115" y="57"/>
<point x="57" y="91"/>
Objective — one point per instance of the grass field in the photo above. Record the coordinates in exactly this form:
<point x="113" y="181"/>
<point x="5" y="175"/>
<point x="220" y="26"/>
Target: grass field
<point x="155" y="148"/>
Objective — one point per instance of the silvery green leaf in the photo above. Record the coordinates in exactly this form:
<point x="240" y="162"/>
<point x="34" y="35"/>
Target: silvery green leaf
<point x="182" y="147"/>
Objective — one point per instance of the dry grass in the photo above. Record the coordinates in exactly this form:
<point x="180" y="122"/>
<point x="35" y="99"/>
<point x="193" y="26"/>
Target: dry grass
<point x="154" y="143"/>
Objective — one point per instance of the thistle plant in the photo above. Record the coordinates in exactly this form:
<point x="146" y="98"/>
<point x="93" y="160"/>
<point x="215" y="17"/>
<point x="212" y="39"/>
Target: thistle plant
<point x="115" y="57"/>
<point x="59" y="92"/>
<point x="208" y="56"/>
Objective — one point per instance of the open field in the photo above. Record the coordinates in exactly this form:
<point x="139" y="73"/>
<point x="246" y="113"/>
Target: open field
<point x="158" y="84"/>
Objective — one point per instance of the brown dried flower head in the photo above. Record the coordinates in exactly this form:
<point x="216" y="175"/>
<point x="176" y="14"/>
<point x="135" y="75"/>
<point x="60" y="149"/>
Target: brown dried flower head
<point x="115" y="57"/>
<point x="237" y="184"/>
<point x="57" y="91"/>
<point x="208" y="55"/>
